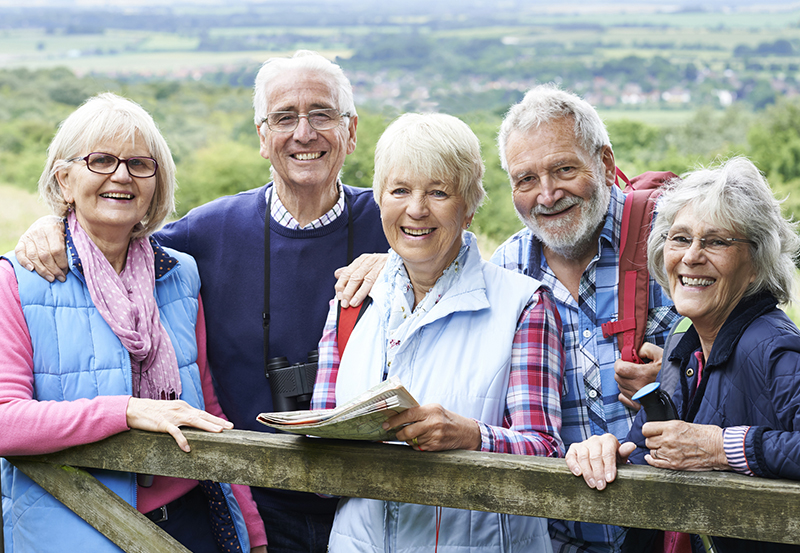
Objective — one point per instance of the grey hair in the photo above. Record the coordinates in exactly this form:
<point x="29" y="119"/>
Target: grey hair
<point x="98" y="120"/>
<point x="734" y="196"/>
<point x="435" y="145"/>
<point x="301" y="60"/>
<point x="545" y="103"/>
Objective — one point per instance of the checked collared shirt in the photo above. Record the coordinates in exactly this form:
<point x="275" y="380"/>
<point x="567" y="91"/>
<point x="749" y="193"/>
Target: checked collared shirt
<point x="589" y="403"/>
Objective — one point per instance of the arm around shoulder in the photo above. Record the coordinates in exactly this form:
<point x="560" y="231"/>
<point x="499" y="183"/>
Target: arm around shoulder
<point x="42" y="249"/>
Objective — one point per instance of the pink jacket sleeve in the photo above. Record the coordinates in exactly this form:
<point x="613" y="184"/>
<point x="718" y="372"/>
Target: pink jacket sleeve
<point x="32" y="427"/>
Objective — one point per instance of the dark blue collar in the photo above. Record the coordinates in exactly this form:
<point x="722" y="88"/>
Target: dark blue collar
<point x="164" y="262"/>
<point x="746" y="311"/>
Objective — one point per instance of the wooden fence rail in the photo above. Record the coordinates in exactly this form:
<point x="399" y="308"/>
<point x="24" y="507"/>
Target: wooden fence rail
<point x="721" y="504"/>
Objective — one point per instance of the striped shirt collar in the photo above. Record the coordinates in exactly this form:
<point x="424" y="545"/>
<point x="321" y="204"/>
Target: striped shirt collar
<point x="285" y="219"/>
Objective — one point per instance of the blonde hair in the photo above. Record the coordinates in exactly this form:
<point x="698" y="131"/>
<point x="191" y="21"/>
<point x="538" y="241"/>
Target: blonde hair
<point x="436" y="145"/>
<point x="101" y="119"/>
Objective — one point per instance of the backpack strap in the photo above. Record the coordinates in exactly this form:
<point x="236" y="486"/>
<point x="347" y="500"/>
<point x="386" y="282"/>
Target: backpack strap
<point x="641" y="194"/>
<point x="618" y="174"/>
<point x="346" y="320"/>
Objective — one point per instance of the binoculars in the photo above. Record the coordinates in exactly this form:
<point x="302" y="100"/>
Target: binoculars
<point x="292" y="385"/>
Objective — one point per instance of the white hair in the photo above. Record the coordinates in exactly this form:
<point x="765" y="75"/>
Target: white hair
<point x="546" y="103"/>
<point x="301" y="60"/>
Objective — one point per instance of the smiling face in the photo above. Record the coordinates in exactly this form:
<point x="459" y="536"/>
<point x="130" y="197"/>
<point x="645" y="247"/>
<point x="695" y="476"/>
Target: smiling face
<point x="560" y="192"/>
<point x="108" y="206"/>
<point x="706" y="286"/>
<point x="423" y="220"/>
<point x="306" y="157"/>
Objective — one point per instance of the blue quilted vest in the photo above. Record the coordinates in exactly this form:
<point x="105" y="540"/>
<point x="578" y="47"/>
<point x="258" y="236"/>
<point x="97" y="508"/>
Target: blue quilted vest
<point x="77" y="355"/>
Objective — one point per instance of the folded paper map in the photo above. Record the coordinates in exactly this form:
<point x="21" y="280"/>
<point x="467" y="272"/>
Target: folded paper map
<point x="361" y="418"/>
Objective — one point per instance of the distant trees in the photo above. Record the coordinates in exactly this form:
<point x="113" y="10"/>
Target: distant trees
<point x="221" y="168"/>
<point x="212" y="135"/>
<point x="775" y="140"/>
<point x="401" y="51"/>
<point x="780" y="47"/>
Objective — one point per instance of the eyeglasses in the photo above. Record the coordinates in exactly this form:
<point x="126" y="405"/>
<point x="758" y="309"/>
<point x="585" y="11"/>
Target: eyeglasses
<point x="319" y="119"/>
<point x="711" y="244"/>
<point x="107" y="164"/>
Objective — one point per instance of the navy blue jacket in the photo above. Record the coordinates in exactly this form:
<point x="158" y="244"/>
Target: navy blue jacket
<point x="752" y="378"/>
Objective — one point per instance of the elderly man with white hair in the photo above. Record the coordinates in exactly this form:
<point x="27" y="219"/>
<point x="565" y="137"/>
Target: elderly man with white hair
<point x="558" y="155"/>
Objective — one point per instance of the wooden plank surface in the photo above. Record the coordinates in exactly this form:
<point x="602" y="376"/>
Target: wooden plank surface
<point x="722" y="504"/>
<point x="100" y="507"/>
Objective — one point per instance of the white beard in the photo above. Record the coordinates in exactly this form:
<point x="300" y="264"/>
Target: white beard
<point x="567" y="237"/>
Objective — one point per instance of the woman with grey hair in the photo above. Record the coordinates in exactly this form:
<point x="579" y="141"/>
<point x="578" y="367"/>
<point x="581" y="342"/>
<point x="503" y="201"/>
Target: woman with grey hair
<point x="119" y="344"/>
<point x="725" y="254"/>
<point x="478" y="346"/>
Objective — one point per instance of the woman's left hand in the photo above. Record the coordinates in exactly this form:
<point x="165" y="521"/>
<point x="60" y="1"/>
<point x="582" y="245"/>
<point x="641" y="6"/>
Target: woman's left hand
<point x="680" y="445"/>
<point x="431" y="427"/>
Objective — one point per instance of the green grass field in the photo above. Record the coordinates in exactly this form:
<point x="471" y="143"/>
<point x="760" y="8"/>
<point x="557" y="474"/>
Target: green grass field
<point x="681" y="37"/>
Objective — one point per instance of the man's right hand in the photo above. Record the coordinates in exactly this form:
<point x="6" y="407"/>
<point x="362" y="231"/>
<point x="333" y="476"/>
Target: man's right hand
<point x="42" y="249"/>
<point x="357" y="279"/>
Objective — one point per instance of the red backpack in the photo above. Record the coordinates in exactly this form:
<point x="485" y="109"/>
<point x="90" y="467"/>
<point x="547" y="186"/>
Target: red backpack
<point x="641" y="193"/>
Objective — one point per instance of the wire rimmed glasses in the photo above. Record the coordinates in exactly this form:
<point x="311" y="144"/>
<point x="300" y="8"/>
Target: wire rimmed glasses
<point x="319" y="119"/>
<point x="712" y="243"/>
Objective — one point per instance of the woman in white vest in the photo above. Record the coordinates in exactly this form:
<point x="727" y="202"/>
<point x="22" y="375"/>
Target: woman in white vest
<point x="118" y="344"/>
<point x="478" y="346"/>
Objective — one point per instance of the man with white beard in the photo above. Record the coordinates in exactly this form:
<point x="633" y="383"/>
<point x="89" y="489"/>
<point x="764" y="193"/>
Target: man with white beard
<point x="557" y="153"/>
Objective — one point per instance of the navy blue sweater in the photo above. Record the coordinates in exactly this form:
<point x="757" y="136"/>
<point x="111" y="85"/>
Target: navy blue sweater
<point x="226" y="237"/>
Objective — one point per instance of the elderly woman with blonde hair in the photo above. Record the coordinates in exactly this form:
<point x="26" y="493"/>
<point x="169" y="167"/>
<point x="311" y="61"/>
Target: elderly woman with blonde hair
<point x="478" y="346"/>
<point x="119" y="344"/>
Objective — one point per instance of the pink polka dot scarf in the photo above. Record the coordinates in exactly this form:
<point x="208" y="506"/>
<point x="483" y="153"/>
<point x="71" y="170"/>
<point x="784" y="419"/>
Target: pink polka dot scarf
<point x="127" y="304"/>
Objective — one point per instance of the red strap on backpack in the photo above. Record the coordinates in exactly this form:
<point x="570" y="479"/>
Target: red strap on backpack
<point x="346" y="320"/>
<point x="641" y="194"/>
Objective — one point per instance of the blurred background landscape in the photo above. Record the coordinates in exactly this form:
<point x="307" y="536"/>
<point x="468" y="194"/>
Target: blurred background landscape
<point x="679" y="85"/>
